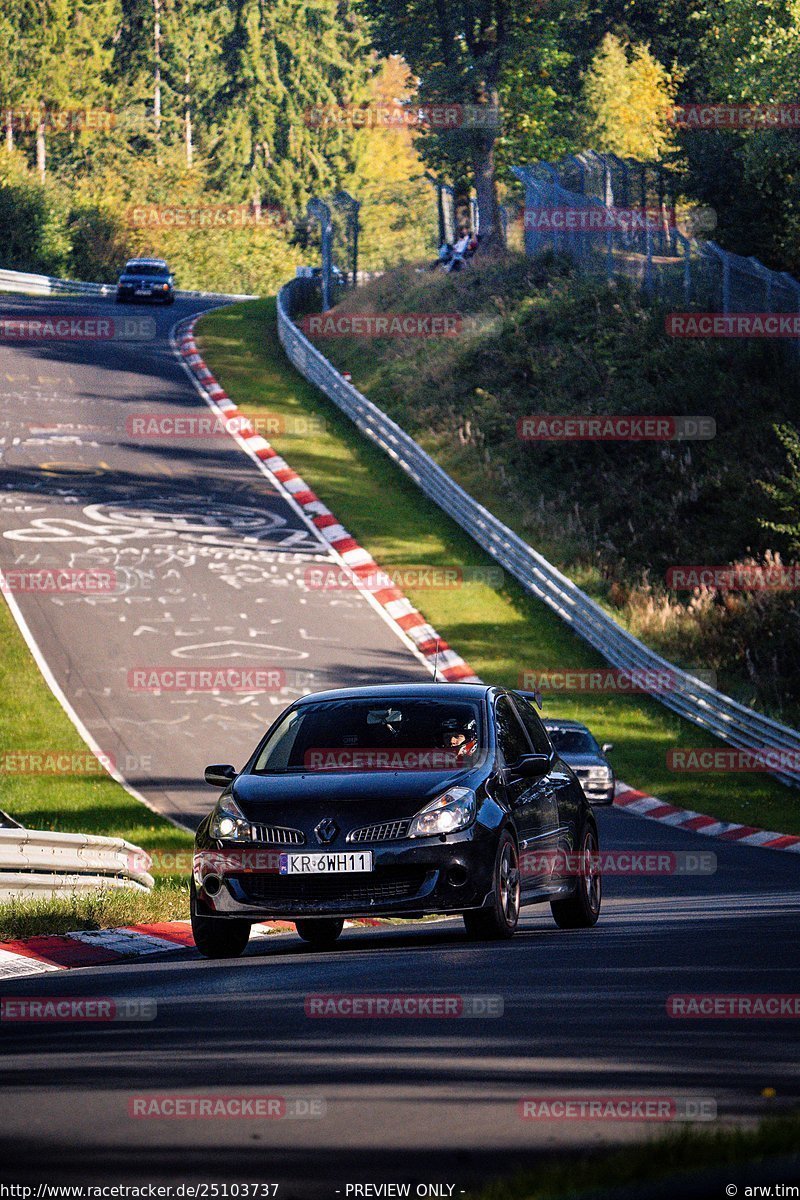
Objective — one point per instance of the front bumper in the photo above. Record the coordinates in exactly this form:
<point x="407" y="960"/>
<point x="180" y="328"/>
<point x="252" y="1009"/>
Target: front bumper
<point x="410" y="878"/>
<point x="598" y="796"/>
<point x="596" y="792"/>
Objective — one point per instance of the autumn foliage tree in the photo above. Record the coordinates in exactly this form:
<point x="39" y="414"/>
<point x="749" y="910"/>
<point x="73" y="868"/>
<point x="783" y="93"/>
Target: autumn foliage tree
<point x="629" y="94"/>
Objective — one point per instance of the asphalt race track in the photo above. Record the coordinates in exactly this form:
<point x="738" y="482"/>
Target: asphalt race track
<point x="209" y="563"/>
<point x="434" y="1099"/>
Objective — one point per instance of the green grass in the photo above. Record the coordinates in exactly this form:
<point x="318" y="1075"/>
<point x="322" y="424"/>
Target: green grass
<point x="581" y="1175"/>
<point x="107" y="909"/>
<point x="31" y="719"/>
<point x="500" y="632"/>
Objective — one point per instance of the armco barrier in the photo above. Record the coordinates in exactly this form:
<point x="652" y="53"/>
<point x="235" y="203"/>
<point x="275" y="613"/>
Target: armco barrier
<point x="47" y="285"/>
<point x="721" y="716"/>
<point x="42" y="864"/>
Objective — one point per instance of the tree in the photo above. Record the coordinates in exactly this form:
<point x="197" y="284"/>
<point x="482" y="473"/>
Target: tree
<point x="629" y="93"/>
<point x="540" y="118"/>
<point x="280" y="64"/>
<point x="459" y="50"/>
<point x="751" y="50"/>
<point x="785" y="492"/>
<point x="10" y="81"/>
<point x="398" y="213"/>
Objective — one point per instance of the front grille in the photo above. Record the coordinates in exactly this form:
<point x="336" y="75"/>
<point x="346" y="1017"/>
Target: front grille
<point x="387" y="832"/>
<point x="290" y="891"/>
<point x="278" y="835"/>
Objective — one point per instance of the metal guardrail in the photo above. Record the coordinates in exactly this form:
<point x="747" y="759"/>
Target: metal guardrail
<point x="693" y="699"/>
<point x="48" y="285"/>
<point x="42" y="864"/>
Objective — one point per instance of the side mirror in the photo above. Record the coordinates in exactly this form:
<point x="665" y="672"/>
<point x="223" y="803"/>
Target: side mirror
<point x="531" y="766"/>
<point x="220" y="775"/>
<point x="607" y="747"/>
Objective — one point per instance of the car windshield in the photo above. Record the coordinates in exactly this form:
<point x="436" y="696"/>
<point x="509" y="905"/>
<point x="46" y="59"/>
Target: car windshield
<point x="374" y="735"/>
<point x="148" y="270"/>
<point x="573" y="741"/>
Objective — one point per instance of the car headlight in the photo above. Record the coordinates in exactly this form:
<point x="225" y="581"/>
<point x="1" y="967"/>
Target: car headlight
<point x="228" y="822"/>
<point x="453" y="810"/>
<point x="601" y="775"/>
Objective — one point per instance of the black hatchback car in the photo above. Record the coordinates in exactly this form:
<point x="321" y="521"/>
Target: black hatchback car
<point x="146" y="279"/>
<point x="396" y="801"/>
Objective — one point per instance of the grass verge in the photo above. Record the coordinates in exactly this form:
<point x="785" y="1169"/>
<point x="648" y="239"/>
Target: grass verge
<point x="499" y="630"/>
<point x="659" y="1159"/>
<point x="32" y="720"/>
<point x="108" y="909"/>
<point x="615" y="516"/>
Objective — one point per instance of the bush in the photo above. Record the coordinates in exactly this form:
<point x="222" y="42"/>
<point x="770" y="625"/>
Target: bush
<point x="33" y="229"/>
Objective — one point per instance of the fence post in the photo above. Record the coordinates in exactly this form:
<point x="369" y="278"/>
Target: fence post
<point x="320" y="212"/>
<point x="721" y="258"/>
<point x="351" y="208"/>
<point x="793" y="286"/>
<point x="766" y="277"/>
<point x="474" y="215"/>
<point x="449" y="212"/>
<point x="687" y="266"/>
<point x="648" y="267"/>
<point x="662" y="245"/>
<point x="437" y="183"/>
<point x="726" y="283"/>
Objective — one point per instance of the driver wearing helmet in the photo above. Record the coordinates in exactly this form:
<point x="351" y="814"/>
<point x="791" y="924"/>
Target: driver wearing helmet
<point x="459" y="737"/>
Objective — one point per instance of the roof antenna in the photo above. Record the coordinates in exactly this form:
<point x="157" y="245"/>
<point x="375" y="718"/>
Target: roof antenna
<point x="436" y="661"/>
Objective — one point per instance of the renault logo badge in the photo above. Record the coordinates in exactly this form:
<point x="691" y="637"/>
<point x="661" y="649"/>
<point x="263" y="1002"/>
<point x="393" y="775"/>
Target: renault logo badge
<point x="327" y="830"/>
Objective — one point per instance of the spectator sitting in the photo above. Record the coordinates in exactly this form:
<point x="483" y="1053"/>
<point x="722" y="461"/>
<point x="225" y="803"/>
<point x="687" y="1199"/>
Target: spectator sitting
<point x="458" y="257"/>
<point x="445" y="254"/>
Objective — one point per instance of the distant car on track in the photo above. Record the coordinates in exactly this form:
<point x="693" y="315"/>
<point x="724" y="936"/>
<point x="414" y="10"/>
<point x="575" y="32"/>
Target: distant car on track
<point x="399" y="801"/>
<point x="146" y="279"/>
<point x="578" y="746"/>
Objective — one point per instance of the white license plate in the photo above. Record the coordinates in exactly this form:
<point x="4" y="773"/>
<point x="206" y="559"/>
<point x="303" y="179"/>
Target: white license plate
<point x="143" y="291"/>
<point x="326" y="864"/>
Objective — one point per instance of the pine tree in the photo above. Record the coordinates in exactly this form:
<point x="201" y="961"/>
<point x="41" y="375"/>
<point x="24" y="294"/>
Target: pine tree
<point x="279" y="67"/>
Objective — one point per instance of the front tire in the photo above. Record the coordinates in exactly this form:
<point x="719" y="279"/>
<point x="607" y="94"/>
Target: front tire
<point x="499" y="922"/>
<point x="217" y="937"/>
<point x="581" y="910"/>
<point x="319" y="932"/>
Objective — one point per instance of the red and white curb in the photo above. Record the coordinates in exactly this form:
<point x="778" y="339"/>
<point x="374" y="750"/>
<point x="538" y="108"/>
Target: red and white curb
<point x="366" y="574"/>
<point x="100" y="947"/>
<point x="643" y="805"/>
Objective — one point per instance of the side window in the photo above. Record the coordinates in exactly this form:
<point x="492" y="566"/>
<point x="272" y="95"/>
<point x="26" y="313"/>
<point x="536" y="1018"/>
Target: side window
<point x="536" y="730"/>
<point x="510" y="735"/>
